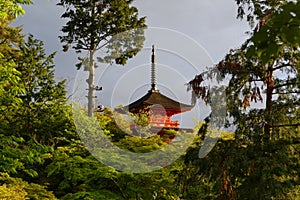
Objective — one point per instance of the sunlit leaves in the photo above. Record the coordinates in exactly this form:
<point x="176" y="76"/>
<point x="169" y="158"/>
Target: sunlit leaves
<point x="97" y="25"/>
<point x="18" y="155"/>
<point x="280" y="29"/>
<point x="18" y="189"/>
<point x="12" y="8"/>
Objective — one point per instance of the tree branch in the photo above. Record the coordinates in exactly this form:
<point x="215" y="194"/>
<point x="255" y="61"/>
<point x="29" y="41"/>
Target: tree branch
<point x="284" y="125"/>
<point x="282" y="66"/>
<point x="286" y="92"/>
<point x="116" y="183"/>
<point x="100" y="47"/>
<point x="285" y="84"/>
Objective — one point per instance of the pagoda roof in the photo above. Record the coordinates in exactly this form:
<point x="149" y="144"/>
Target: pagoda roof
<point x="154" y="97"/>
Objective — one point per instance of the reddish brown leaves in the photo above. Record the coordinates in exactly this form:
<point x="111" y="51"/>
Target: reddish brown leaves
<point x="254" y="95"/>
<point x="199" y="91"/>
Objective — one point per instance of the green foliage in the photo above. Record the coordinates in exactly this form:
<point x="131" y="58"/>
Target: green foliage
<point x="16" y="188"/>
<point x="141" y="145"/>
<point x="12" y="8"/>
<point x="95" y="24"/>
<point x="22" y="157"/>
<point x="107" y="121"/>
<point x="43" y="107"/>
<point x="266" y="137"/>
<point x="33" y="111"/>
<point x="40" y="146"/>
<point x="82" y="177"/>
<point x="9" y="85"/>
<point x="280" y="31"/>
<point x="110" y="25"/>
<point x="260" y="161"/>
<point x="73" y="170"/>
<point x="9" y="76"/>
<point x="257" y="10"/>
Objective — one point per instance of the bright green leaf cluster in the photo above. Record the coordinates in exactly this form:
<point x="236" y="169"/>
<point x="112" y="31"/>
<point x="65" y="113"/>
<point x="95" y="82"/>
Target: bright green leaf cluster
<point x="281" y="29"/>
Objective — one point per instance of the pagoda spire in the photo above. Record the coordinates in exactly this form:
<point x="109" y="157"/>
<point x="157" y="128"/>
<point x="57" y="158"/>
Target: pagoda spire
<point x="153" y="71"/>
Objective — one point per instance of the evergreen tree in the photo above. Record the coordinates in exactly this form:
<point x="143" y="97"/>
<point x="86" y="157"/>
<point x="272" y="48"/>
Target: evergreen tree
<point x="44" y="110"/>
<point x="9" y="38"/>
<point x="42" y="113"/>
<point x="17" y="155"/>
<point x="41" y="120"/>
<point x="262" y="160"/>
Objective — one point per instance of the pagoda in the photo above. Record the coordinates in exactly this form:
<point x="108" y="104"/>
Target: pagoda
<point x="159" y="108"/>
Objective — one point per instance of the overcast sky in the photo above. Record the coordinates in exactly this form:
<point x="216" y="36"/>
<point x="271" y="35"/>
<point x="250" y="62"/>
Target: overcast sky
<point x="189" y="35"/>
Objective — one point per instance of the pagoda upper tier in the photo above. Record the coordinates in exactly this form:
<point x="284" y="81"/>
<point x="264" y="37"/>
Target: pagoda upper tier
<point x="160" y="107"/>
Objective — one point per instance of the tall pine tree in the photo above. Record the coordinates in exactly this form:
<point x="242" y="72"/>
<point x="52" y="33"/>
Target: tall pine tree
<point x="110" y="25"/>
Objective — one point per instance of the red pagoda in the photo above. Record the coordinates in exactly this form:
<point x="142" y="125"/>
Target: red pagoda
<point x="158" y="107"/>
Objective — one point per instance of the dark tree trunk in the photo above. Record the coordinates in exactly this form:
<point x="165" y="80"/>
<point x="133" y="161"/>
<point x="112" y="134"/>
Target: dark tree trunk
<point x="270" y="87"/>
